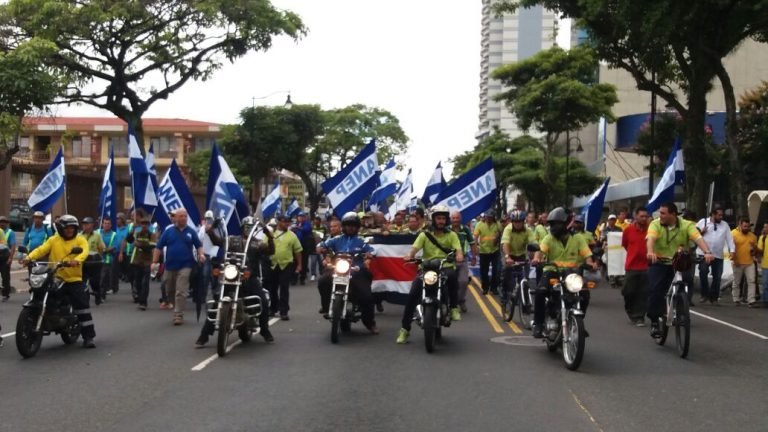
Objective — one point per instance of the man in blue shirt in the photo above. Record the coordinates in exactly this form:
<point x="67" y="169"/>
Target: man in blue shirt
<point x="110" y="267"/>
<point x="7" y="251"/>
<point x="122" y="268"/>
<point x="303" y="230"/>
<point x="181" y="242"/>
<point x="36" y="234"/>
<point x="360" y="282"/>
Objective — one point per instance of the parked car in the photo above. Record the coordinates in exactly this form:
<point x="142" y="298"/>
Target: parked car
<point x="20" y="216"/>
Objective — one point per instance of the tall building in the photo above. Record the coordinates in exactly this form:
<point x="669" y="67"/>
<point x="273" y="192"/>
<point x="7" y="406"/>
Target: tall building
<point x="504" y="40"/>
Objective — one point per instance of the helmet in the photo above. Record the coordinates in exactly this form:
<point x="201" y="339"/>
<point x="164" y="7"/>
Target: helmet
<point x="579" y="219"/>
<point x="440" y="210"/>
<point x="66" y="221"/>
<point x="517" y="215"/>
<point x="558" y="215"/>
<point x="350" y="218"/>
<point x="247" y="224"/>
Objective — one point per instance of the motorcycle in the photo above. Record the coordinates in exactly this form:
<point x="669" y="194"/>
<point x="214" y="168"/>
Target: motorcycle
<point x="231" y="312"/>
<point x="343" y="312"/>
<point x="48" y="310"/>
<point x="564" y="318"/>
<point x="432" y="313"/>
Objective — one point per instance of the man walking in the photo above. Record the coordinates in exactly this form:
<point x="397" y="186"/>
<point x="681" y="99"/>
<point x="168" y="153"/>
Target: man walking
<point x="611" y="226"/>
<point x="110" y="267"/>
<point x="143" y="241"/>
<point x="92" y="265"/>
<point x="717" y="235"/>
<point x="37" y="234"/>
<point x="761" y="246"/>
<point x="462" y="269"/>
<point x="181" y="242"/>
<point x="744" y="262"/>
<point x="286" y="262"/>
<point x="7" y="251"/>
<point x="487" y="235"/>
<point x="636" y="267"/>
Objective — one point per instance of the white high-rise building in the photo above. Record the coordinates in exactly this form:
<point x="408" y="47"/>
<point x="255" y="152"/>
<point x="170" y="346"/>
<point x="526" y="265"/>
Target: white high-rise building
<point x="505" y="40"/>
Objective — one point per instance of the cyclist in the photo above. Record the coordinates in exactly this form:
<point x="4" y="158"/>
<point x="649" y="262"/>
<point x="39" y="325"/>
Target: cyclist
<point x="666" y="236"/>
<point x="514" y="243"/>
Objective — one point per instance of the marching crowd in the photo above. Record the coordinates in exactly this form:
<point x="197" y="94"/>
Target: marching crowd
<point x="135" y="251"/>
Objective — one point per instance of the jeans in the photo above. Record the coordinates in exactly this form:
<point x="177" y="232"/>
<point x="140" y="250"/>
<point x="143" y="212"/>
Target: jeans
<point x="415" y="295"/>
<point x="314" y="264"/>
<point x="764" y="285"/>
<point x="140" y="281"/>
<point x="359" y="293"/>
<point x="635" y="292"/>
<point x="462" y="278"/>
<point x="5" y="272"/>
<point x="92" y="277"/>
<point x="711" y="292"/>
<point x="659" y="280"/>
<point x="108" y="278"/>
<point x="492" y="260"/>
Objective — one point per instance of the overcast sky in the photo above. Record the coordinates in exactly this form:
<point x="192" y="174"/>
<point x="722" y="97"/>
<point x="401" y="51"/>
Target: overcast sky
<point x="419" y="59"/>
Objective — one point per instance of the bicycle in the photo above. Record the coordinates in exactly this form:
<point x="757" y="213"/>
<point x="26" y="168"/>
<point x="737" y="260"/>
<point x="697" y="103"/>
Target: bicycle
<point x="519" y="298"/>
<point x="678" y="307"/>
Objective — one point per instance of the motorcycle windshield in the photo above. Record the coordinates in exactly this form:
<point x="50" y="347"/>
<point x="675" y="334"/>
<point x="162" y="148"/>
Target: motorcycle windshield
<point x="40" y="269"/>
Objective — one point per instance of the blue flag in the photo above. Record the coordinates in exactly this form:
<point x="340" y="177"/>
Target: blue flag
<point x="435" y="185"/>
<point x="141" y="182"/>
<point x="293" y="208"/>
<point x="594" y="207"/>
<point x="51" y="187"/>
<point x="225" y="197"/>
<point x="674" y="174"/>
<point x="173" y="194"/>
<point x="387" y="186"/>
<point x="271" y="204"/>
<point x="150" y="161"/>
<point x="108" y="196"/>
<point x="472" y="193"/>
<point x="350" y="186"/>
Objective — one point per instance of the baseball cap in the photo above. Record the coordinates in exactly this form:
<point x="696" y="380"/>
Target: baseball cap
<point x="613" y="216"/>
<point x="87" y="220"/>
<point x="38" y="214"/>
<point x="283" y="217"/>
<point x="209" y="214"/>
<point x="3" y="219"/>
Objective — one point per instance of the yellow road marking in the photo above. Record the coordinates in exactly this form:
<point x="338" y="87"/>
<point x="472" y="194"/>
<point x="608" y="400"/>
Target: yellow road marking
<point x="497" y="307"/>
<point x="488" y="315"/>
<point x="586" y="411"/>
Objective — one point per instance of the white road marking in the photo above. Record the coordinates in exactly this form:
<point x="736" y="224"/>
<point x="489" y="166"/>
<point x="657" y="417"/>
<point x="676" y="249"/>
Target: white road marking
<point x="200" y="366"/>
<point x="18" y="271"/>
<point x="8" y="334"/>
<point x="749" y="332"/>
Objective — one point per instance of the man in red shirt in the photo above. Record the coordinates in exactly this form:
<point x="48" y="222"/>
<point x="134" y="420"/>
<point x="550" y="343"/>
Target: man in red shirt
<point x="636" y="267"/>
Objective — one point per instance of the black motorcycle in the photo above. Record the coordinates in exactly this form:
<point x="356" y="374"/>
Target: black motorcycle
<point x="343" y="311"/>
<point x="432" y="314"/>
<point x="48" y="310"/>
<point x="230" y="311"/>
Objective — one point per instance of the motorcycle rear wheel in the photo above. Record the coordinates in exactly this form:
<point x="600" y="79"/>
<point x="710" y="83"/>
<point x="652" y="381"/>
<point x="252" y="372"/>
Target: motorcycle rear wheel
<point x="225" y="319"/>
<point x="430" y="327"/>
<point x="28" y="341"/>
<point x="573" y="349"/>
<point x="337" y="309"/>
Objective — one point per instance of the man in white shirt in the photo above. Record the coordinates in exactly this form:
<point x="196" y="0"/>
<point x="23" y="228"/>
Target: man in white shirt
<point x="212" y="236"/>
<point x="717" y="235"/>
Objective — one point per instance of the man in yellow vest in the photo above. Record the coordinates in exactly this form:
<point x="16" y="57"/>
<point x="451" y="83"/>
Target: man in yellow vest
<point x="7" y="251"/>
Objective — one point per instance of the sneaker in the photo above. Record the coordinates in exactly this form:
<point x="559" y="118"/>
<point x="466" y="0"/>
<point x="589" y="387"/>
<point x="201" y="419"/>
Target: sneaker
<point x="715" y="302"/>
<point x="142" y="307"/>
<point x="88" y="343"/>
<point x="537" y="331"/>
<point x="402" y="336"/>
<point x="6" y="298"/>
<point x="463" y="307"/>
<point x="655" y="329"/>
<point x="267" y="335"/>
<point x="322" y="311"/>
<point x="373" y="329"/>
<point x="737" y="302"/>
<point x="485" y="291"/>
<point x="379" y="307"/>
<point x="312" y="278"/>
<point x="753" y="305"/>
<point x="201" y="341"/>
<point x="284" y="317"/>
<point x="178" y="320"/>
<point x="1" y="342"/>
<point x="163" y="305"/>
<point x="455" y="314"/>
<point x="639" y="323"/>
<point x="702" y="299"/>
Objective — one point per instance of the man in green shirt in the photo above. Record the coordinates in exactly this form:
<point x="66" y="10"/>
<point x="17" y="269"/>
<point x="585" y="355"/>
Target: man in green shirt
<point x="541" y="229"/>
<point x="92" y="264"/>
<point x="487" y="234"/>
<point x="567" y="252"/>
<point x="514" y="243"/>
<point x="667" y="235"/>
<point x="467" y="243"/>
<point x="285" y="263"/>
<point x="442" y="241"/>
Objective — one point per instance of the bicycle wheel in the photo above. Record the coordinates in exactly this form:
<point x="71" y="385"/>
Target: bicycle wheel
<point x="507" y="305"/>
<point x="682" y="323"/>
<point x="524" y="309"/>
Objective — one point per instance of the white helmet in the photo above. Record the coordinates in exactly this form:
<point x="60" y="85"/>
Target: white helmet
<point x="438" y="210"/>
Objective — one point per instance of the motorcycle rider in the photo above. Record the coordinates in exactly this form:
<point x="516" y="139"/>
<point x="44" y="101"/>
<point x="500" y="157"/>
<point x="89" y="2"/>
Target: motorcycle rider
<point x="567" y="251"/>
<point x="58" y="248"/>
<point x="436" y="244"/>
<point x="262" y="244"/>
<point x="360" y="282"/>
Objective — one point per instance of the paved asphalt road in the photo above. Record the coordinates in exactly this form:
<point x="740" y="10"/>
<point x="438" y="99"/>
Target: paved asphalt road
<point x="141" y="377"/>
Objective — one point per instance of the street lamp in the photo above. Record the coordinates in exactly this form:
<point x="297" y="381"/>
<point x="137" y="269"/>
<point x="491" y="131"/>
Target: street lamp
<point x="288" y="103"/>
<point x="579" y="149"/>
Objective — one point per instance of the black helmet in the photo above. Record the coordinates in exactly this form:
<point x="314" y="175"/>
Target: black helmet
<point x="66" y="221"/>
<point x="558" y="215"/>
<point x="247" y="224"/>
<point x="350" y="218"/>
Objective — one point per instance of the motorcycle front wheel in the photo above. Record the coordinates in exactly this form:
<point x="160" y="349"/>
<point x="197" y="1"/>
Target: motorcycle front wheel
<point x="430" y="327"/>
<point x="573" y="347"/>
<point x="225" y="319"/>
<point x="27" y="339"/>
<point x="337" y="309"/>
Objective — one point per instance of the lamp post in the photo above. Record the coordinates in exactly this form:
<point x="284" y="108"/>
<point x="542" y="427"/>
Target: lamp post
<point x="579" y="149"/>
<point x="653" y="137"/>
<point x="288" y="103"/>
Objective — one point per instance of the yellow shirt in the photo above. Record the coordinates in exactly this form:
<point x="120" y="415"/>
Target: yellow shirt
<point x="623" y="225"/>
<point x="59" y="249"/>
<point x="573" y="253"/>
<point x="762" y="244"/>
<point x="487" y="237"/>
<point x="745" y="244"/>
<point x="286" y="245"/>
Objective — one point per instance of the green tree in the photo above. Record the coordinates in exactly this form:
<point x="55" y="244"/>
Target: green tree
<point x="554" y="92"/>
<point x="26" y="84"/>
<point x="124" y="56"/>
<point x="669" y="47"/>
<point x="753" y="136"/>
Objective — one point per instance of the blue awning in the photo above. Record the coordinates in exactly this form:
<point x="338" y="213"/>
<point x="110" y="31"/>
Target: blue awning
<point x="628" y="128"/>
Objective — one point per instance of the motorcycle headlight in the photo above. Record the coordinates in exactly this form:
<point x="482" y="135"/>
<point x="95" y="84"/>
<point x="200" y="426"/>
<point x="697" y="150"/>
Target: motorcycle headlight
<point x="430" y="278"/>
<point x="231" y="272"/>
<point x="37" y="280"/>
<point x="574" y="283"/>
<point x="342" y="266"/>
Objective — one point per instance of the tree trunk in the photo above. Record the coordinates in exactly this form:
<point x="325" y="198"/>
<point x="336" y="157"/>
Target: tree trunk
<point x="737" y="178"/>
<point x="695" y="152"/>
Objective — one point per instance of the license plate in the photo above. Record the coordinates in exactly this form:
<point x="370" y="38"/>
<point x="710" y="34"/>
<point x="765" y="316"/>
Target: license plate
<point x="340" y="281"/>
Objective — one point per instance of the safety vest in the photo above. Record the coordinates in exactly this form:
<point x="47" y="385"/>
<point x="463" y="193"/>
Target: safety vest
<point x="108" y="255"/>
<point x="4" y="234"/>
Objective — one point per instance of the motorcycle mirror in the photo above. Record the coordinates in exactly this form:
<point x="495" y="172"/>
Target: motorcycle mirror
<point x="22" y="249"/>
<point x="533" y="247"/>
<point x="76" y="251"/>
